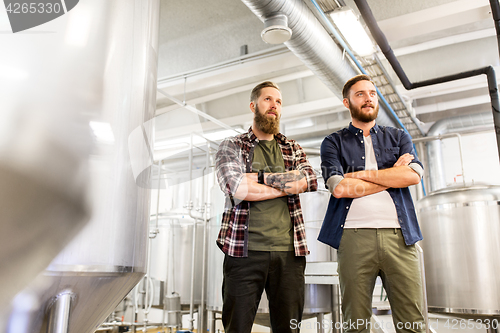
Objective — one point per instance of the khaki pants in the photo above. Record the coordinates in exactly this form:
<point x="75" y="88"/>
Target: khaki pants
<point x="365" y="254"/>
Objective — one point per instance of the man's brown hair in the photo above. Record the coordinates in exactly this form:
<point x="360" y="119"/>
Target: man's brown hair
<point x="254" y="96"/>
<point x="353" y="81"/>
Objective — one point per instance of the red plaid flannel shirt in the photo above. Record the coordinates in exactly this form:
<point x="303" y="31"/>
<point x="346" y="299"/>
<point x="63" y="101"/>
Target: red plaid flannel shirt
<point x="234" y="159"/>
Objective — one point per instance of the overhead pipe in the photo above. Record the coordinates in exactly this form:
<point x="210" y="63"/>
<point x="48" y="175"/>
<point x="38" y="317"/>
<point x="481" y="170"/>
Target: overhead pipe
<point x="435" y="158"/>
<point x="382" y="42"/>
<point x="312" y="44"/>
<point x="495" y="10"/>
<point x="440" y="129"/>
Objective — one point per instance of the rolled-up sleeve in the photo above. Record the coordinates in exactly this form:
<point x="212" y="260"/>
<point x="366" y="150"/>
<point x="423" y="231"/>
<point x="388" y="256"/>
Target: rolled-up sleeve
<point x="406" y="146"/>
<point x="303" y="165"/>
<point x="332" y="182"/>
<point x="229" y="166"/>
<point x="417" y="168"/>
<point x="331" y="168"/>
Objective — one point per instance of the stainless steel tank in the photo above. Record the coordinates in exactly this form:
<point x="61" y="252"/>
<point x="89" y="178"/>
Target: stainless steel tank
<point x="45" y="141"/>
<point x="318" y="298"/>
<point x="108" y="257"/>
<point x="461" y="229"/>
<point x="172" y="249"/>
<point x="172" y="253"/>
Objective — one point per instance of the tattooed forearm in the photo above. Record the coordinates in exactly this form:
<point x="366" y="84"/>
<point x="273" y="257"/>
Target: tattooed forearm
<point x="279" y="180"/>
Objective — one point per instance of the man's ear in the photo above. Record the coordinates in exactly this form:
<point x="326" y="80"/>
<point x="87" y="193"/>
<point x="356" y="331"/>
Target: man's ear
<point x="252" y="107"/>
<point x="346" y="102"/>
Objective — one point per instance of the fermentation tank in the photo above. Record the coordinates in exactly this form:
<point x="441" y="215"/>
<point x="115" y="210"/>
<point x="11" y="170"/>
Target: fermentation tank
<point x="45" y="141"/>
<point x="108" y="257"/>
<point x="461" y="229"/>
<point x="180" y="211"/>
<point x="318" y="298"/>
<point x="172" y="253"/>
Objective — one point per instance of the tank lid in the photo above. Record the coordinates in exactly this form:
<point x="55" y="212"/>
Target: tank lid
<point x="467" y="187"/>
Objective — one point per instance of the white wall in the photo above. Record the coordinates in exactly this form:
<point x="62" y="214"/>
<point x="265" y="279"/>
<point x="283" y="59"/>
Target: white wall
<point x="480" y="154"/>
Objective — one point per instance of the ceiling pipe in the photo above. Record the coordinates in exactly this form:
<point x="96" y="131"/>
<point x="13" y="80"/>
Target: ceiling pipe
<point x="312" y="44"/>
<point x="495" y="10"/>
<point x="382" y="42"/>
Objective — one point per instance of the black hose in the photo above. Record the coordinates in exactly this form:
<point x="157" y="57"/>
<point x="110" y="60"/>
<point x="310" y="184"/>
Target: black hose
<point x="382" y="42"/>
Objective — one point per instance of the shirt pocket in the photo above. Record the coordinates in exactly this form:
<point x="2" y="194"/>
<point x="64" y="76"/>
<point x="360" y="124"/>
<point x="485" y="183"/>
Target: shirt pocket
<point x="390" y="155"/>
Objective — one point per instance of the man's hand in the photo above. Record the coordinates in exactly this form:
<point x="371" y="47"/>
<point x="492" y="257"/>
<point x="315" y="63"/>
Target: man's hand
<point x="404" y="160"/>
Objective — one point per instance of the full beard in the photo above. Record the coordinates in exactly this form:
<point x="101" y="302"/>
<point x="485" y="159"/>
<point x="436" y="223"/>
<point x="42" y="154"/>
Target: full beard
<point x="357" y="114"/>
<point x="268" y="125"/>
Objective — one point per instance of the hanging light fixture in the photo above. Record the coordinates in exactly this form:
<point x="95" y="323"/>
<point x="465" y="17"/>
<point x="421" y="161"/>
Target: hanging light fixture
<point x="276" y="30"/>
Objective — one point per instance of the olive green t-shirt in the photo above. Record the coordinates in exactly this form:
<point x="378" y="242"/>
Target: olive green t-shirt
<point x="269" y="226"/>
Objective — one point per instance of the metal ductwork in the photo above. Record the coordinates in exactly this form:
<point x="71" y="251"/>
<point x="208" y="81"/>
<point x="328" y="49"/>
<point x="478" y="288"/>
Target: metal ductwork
<point x="443" y="126"/>
<point x="312" y="44"/>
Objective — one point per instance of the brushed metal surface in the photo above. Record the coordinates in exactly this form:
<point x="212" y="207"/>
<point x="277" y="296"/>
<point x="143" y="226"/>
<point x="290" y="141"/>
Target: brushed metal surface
<point x="97" y="294"/>
<point x="108" y="257"/>
<point x="45" y="141"/>
<point x="461" y="229"/>
<point x="172" y="252"/>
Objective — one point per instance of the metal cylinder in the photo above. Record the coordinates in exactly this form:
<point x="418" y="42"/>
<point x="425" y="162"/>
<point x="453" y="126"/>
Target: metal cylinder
<point x="60" y="313"/>
<point x="460" y="226"/>
<point x="108" y="257"/>
<point x="172" y="254"/>
<point x="173" y="307"/>
<point x="180" y="237"/>
<point x="45" y="139"/>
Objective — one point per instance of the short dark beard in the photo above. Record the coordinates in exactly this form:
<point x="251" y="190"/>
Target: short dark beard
<point x="268" y="125"/>
<point x="358" y="115"/>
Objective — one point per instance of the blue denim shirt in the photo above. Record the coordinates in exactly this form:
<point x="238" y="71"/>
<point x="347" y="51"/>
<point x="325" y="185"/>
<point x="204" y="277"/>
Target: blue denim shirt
<point x="343" y="152"/>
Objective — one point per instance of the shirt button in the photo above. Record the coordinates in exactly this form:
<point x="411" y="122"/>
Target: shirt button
<point x="362" y="157"/>
<point x="347" y="207"/>
<point x="342" y="225"/>
<point x="361" y="141"/>
<point x="246" y="228"/>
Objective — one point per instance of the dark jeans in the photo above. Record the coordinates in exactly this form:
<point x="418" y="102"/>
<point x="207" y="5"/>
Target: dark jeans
<point x="281" y="274"/>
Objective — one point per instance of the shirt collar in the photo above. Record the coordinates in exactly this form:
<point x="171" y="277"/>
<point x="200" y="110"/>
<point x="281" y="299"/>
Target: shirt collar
<point x="252" y="137"/>
<point x="354" y="130"/>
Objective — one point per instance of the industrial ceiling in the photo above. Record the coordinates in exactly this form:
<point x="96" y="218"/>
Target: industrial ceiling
<point x="211" y="55"/>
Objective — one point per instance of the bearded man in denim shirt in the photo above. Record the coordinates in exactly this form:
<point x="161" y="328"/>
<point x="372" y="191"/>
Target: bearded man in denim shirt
<point x="371" y="219"/>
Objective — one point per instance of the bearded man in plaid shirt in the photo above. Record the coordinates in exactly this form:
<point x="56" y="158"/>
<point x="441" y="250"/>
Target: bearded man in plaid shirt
<point x="262" y="233"/>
